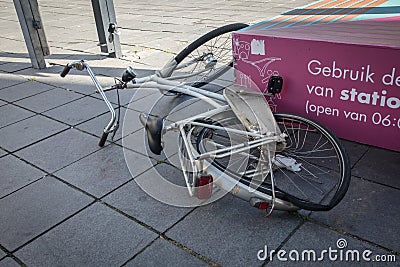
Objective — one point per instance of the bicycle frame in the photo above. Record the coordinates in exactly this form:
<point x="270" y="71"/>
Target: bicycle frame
<point x="255" y="143"/>
<point x="155" y="81"/>
<point x="226" y="182"/>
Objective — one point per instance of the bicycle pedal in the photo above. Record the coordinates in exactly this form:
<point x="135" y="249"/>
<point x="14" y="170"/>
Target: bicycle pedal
<point x="204" y="187"/>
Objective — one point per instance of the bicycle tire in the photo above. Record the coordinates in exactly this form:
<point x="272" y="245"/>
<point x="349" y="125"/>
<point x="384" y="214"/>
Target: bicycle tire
<point x="297" y="126"/>
<point x="224" y="62"/>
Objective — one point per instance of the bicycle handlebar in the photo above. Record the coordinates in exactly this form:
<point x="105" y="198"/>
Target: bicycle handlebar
<point x="65" y="71"/>
<point x="103" y="139"/>
<point x="81" y="65"/>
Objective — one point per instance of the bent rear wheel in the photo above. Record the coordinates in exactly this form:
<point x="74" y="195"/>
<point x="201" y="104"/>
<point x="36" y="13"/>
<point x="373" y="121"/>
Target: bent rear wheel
<point x="311" y="170"/>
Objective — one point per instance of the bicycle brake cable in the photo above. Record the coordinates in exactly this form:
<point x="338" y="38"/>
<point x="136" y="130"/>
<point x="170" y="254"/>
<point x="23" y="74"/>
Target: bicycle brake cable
<point x="116" y="125"/>
<point x="272" y="180"/>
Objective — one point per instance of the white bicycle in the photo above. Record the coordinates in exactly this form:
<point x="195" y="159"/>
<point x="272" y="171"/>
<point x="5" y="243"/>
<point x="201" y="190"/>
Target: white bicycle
<point x="273" y="161"/>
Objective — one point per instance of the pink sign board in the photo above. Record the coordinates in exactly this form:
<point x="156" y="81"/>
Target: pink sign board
<point x="351" y="85"/>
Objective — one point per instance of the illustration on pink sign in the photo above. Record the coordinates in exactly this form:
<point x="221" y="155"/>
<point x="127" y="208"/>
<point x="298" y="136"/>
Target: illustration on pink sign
<point x="345" y="75"/>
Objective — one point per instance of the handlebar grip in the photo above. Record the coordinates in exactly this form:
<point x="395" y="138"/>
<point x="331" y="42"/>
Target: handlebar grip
<point x="103" y="139"/>
<point x="65" y="71"/>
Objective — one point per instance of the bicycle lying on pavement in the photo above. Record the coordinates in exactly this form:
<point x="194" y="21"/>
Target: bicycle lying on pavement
<point x="273" y="161"/>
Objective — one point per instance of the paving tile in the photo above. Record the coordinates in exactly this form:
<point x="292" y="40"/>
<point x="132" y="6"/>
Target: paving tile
<point x="11" y="114"/>
<point x="88" y="46"/>
<point x="36" y="208"/>
<point x="230" y="232"/>
<point x="8" y="262"/>
<point x="13" y="34"/>
<point x="7" y="80"/>
<point x="166" y="184"/>
<point x="22" y="90"/>
<point x="15" y="66"/>
<point x="16" y="60"/>
<point x="111" y="67"/>
<point x="48" y="100"/>
<point x="15" y="174"/>
<point x="367" y="206"/>
<point x="49" y="75"/>
<point x="79" y="81"/>
<point x="137" y="141"/>
<point x="354" y="150"/>
<point x="379" y="165"/>
<point x="136" y="164"/>
<point x="60" y="150"/>
<point x="25" y="132"/>
<point x="132" y="200"/>
<point x="130" y="122"/>
<point x="144" y="92"/>
<point x="170" y="173"/>
<point x="125" y="96"/>
<point x="59" y="53"/>
<point x="314" y="238"/>
<point x="174" y="161"/>
<point x="157" y="104"/>
<point x="167" y="255"/>
<point x="2" y="254"/>
<point x="97" y="236"/>
<point x="104" y="170"/>
<point x="3" y="153"/>
<point x="89" y="57"/>
<point x="78" y="111"/>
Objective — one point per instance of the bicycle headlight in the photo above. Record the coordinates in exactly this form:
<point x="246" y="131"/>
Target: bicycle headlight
<point x="128" y="75"/>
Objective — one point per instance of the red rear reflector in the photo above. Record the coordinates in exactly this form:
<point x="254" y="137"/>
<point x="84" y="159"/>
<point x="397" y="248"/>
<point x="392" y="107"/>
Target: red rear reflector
<point x="204" y="188"/>
<point x="263" y="205"/>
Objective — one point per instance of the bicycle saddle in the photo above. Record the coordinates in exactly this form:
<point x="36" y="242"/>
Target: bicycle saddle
<point x="154" y="129"/>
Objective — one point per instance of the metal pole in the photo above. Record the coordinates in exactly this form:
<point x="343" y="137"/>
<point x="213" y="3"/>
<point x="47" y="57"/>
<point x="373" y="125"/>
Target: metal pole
<point x="107" y="29"/>
<point x="32" y="29"/>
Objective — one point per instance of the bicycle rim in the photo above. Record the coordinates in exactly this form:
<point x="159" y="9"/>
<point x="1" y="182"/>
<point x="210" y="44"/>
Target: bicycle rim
<point x="210" y="56"/>
<point x="323" y="174"/>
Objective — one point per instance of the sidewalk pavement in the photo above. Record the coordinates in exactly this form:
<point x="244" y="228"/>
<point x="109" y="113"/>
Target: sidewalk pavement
<point x="65" y="201"/>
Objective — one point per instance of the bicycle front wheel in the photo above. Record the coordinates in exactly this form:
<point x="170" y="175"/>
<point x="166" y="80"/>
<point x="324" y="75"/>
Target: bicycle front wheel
<point x="311" y="169"/>
<point x="207" y="58"/>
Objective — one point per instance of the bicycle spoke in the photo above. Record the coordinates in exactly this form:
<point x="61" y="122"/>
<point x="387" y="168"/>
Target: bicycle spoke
<point x="294" y="184"/>
<point x="220" y="47"/>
